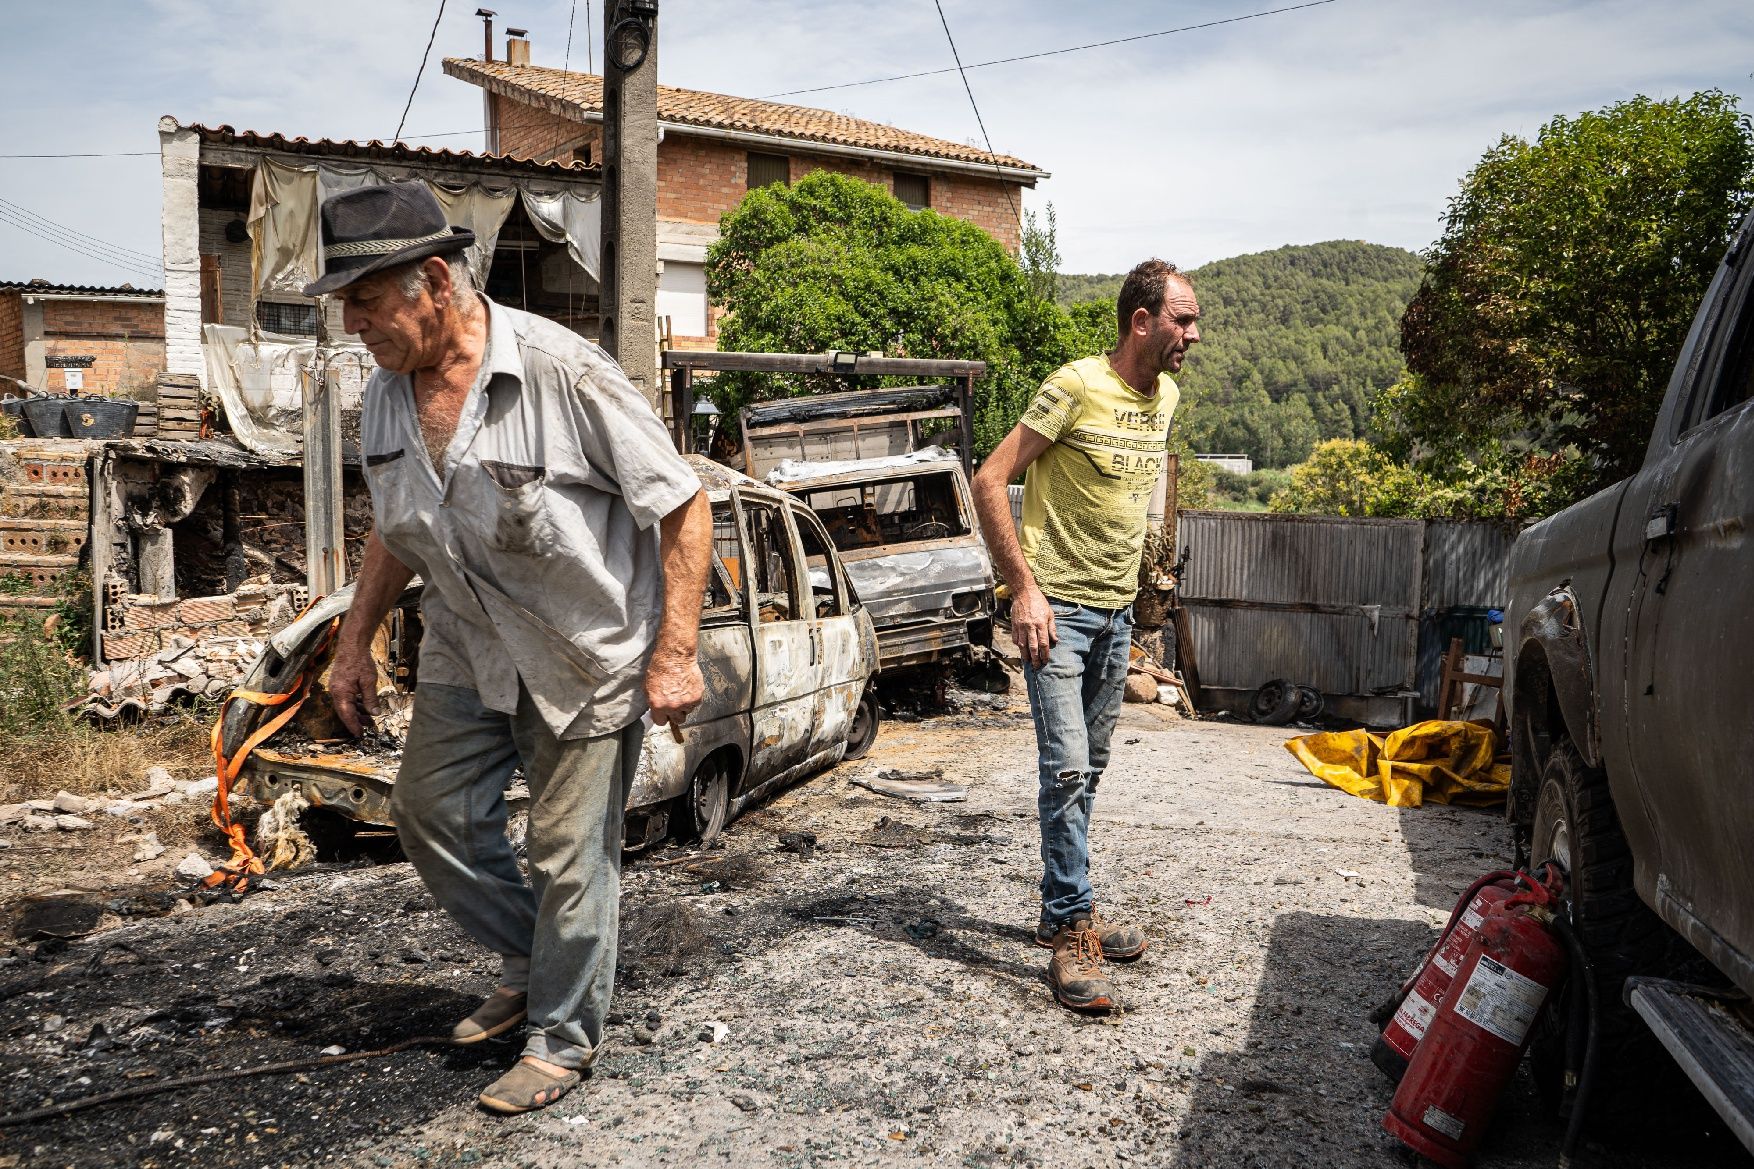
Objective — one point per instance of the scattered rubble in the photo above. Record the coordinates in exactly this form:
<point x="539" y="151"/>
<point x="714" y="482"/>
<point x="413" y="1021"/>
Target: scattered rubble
<point x="184" y="670"/>
<point x="149" y="849"/>
<point x="195" y="866"/>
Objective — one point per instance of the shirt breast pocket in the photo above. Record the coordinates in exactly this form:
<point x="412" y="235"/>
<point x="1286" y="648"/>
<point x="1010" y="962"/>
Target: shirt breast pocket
<point x="386" y="474"/>
<point x="515" y="498"/>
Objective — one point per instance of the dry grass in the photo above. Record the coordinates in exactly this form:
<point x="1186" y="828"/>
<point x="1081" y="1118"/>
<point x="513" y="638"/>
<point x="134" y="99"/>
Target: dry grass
<point x="80" y="758"/>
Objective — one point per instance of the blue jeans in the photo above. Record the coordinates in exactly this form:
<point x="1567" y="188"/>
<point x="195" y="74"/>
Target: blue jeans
<point x="1075" y="698"/>
<point x="555" y="934"/>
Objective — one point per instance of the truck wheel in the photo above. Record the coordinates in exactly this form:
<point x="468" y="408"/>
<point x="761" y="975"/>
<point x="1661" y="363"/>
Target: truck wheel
<point x="1576" y="825"/>
<point x="863" y="732"/>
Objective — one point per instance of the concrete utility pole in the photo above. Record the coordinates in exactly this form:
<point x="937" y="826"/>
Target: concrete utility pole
<point x="629" y="283"/>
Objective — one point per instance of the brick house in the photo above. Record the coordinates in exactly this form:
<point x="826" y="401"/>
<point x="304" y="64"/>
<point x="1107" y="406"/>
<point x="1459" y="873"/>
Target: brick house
<point x="96" y="340"/>
<point x="714" y="148"/>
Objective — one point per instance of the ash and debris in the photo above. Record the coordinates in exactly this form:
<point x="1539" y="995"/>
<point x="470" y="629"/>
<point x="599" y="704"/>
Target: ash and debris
<point x="872" y="996"/>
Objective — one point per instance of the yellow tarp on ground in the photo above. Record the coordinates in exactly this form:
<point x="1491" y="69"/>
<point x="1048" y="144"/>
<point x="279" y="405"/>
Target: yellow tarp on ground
<point x="1445" y="762"/>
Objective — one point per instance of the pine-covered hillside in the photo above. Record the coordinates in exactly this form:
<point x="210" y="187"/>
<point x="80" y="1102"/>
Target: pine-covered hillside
<point x="1296" y="343"/>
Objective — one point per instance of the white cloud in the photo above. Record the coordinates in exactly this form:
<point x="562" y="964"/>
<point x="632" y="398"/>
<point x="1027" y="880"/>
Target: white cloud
<point x="1352" y="120"/>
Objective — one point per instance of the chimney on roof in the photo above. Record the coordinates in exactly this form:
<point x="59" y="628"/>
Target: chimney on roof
<point x="486" y="15"/>
<point x="517" y="46"/>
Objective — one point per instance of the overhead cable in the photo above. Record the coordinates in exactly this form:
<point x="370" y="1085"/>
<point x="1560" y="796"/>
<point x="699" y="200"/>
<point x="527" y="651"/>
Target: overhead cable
<point x="432" y="36"/>
<point x="979" y="121"/>
<point x="80" y="236"/>
<point x="1144" y="36"/>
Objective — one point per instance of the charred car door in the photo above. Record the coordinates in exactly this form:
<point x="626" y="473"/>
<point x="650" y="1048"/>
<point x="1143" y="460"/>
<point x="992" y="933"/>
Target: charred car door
<point x="785" y="641"/>
<point x="835" y="642"/>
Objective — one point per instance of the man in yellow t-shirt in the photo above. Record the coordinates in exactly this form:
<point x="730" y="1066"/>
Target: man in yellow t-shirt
<point x="1093" y="444"/>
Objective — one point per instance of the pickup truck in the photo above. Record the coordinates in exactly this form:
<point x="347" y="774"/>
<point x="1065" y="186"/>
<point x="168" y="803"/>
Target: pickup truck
<point x="1632" y="729"/>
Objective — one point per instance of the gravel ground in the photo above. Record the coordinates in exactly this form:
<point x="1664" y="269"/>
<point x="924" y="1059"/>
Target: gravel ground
<point x="876" y="1002"/>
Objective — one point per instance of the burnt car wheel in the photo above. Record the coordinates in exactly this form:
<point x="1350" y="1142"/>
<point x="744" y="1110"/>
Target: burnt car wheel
<point x="863" y="732"/>
<point x="709" y="799"/>
<point x="1275" y="703"/>
<point x="1576" y="825"/>
<point x="1310" y="703"/>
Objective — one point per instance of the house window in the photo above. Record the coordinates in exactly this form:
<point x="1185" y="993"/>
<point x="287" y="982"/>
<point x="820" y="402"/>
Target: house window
<point x="914" y="190"/>
<point x="298" y="320"/>
<point x="768" y="169"/>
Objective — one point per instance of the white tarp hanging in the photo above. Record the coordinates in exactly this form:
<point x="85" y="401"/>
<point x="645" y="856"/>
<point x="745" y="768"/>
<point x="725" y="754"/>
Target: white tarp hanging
<point x="260" y="383"/>
<point x="572" y="218"/>
<point x="283" y="227"/>
<point x="283" y="219"/>
<point x="482" y="211"/>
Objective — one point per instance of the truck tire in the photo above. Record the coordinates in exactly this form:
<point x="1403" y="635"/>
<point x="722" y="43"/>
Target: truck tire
<point x="1575" y="824"/>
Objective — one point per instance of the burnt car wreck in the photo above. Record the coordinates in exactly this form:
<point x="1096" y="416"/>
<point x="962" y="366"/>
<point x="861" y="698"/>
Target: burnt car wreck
<point x="787" y="648"/>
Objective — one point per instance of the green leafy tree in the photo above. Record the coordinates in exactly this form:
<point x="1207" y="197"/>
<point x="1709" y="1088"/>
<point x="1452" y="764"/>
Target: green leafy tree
<point x="1554" y="305"/>
<point x="832" y="262"/>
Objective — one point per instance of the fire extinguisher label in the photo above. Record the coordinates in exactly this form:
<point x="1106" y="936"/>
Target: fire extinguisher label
<point x="1414" y="1015"/>
<point x="1499" y="1000"/>
<point x="1437" y="1120"/>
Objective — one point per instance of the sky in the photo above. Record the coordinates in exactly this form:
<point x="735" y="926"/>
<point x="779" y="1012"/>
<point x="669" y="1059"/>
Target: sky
<point x="1354" y="119"/>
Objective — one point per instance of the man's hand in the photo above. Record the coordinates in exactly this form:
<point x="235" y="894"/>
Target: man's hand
<point x="353" y="688"/>
<point x="674" y="687"/>
<point x="1032" y="626"/>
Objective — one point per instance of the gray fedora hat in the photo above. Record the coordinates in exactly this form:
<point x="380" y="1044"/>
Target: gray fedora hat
<point x="368" y="229"/>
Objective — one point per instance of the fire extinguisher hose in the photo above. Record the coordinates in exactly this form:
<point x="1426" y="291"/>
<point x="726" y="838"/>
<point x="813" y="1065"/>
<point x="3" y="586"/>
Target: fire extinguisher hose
<point x="1585" y="1077"/>
<point x="1385" y="1010"/>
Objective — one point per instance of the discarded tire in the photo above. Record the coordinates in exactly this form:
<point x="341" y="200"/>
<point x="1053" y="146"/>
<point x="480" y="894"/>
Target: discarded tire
<point x="1275" y="703"/>
<point x="1310" y="703"/>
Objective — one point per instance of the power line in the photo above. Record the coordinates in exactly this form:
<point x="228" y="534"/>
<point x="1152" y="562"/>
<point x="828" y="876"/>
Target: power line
<point x="572" y="12"/>
<point x="979" y="121"/>
<point x="432" y="36"/>
<point x="110" y="154"/>
<point x="39" y="223"/>
<point x="133" y="269"/>
<point x="84" y="237"/>
<point x="1145" y="36"/>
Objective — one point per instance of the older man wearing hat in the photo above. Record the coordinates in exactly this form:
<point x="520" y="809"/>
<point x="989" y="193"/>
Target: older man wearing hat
<point x="564" y="546"/>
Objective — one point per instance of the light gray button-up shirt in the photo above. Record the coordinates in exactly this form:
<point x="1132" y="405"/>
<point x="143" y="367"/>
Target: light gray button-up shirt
<point x="537" y="539"/>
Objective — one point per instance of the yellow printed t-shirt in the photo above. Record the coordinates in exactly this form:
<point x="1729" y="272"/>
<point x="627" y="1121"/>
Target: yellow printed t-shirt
<point x="1085" y="498"/>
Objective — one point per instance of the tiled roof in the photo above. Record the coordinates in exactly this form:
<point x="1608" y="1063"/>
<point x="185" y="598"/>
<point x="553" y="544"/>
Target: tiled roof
<point x="380" y="151"/>
<point x="44" y="288"/>
<point x="583" y="93"/>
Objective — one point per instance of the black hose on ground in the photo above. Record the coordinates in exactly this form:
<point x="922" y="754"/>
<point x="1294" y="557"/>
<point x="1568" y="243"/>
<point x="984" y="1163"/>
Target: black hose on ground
<point x="1586" y="1076"/>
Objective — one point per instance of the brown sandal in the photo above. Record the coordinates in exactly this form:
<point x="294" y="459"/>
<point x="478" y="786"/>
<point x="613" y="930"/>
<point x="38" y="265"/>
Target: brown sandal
<point x="497" y="1015"/>
<point x="526" y="1088"/>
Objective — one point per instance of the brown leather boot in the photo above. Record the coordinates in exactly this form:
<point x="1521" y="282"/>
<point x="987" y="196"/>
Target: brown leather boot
<point x="1120" y="943"/>
<point x="1075" y="970"/>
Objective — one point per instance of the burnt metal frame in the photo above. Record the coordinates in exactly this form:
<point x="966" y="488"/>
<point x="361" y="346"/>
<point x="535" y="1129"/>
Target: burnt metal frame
<point x="682" y="364"/>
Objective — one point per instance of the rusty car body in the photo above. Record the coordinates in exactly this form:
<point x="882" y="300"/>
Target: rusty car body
<point x="786" y="646"/>
<point x="905" y="527"/>
<point x="1628" y="690"/>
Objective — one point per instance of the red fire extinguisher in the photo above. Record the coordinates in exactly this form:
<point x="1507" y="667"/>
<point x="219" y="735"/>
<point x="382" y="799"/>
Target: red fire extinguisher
<point x="1476" y="1039"/>
<point x="1420" y="996"/>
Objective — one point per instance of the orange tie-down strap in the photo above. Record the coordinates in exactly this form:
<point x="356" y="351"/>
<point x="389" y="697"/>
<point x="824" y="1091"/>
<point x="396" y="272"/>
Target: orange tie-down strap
<point x="244" y="864"/>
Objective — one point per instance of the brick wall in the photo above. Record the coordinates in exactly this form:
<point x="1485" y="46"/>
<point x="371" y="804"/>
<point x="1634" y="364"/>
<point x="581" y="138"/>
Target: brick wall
<point x="126" y="339"/>
<point x="699" y="179"/>
<point x="11" y="335"/>
<point x="528" y="132"/>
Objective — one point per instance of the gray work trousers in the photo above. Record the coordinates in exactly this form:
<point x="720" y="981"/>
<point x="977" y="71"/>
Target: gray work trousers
<point x="556" y="934"/>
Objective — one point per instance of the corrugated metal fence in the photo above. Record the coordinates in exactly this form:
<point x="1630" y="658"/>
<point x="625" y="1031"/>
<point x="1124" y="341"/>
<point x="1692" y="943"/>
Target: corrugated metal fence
<point x="1350" y="606"/>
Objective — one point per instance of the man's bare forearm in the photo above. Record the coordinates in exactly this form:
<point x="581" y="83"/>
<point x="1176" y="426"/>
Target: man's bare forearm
<point x="992" y="502"/>
<point x="685" y="541"/>
<point x="381" y="580"/>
